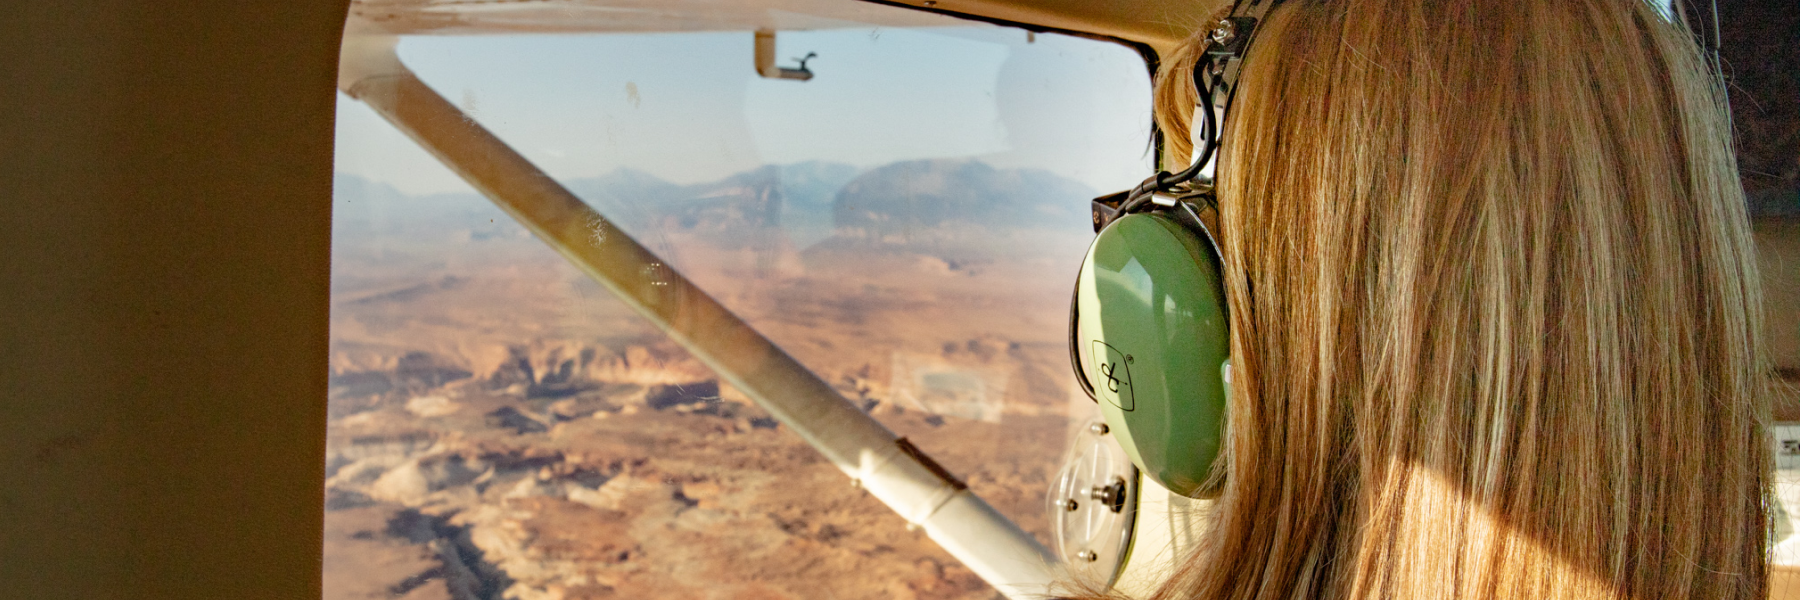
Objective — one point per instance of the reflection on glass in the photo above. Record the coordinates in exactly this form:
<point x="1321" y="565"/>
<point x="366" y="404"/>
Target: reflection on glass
<point x="906" y="224"/>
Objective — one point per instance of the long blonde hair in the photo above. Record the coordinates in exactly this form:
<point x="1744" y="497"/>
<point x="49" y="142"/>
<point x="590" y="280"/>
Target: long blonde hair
<point x="1494" y="309"/>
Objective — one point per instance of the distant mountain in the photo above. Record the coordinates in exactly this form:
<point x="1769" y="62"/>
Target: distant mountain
<point x="741" y="208"/>
<point x="804" y="191"/>
<point x="934" y="201"/>
<point x="359" y="203"/>
<point x="810" y="189"/>
<point x="624" y="186"/>
<point x="922" y="204"/>
<point x="351" y="192"/>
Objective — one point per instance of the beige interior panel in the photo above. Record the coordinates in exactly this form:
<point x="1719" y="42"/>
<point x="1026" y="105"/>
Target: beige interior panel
<point x="1778" y="251"/>
<point x="165" y="188"/>
<point x="1158" y="23"/>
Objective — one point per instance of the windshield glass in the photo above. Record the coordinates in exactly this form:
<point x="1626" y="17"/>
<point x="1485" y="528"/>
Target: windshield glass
<point x="907" y="224"/>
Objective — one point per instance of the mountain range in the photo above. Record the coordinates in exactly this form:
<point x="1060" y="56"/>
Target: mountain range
<point x="920" y="204"/>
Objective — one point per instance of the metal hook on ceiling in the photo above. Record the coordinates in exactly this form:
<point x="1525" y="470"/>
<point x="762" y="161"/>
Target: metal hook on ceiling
<point x="765" y="59"/>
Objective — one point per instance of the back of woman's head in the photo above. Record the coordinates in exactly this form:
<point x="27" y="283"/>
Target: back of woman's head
<point x="1494" y="310"/>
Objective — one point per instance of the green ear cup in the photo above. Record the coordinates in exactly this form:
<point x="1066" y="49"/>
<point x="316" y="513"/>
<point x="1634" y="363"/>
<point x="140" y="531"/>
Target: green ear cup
<point x="1152" y="338"/>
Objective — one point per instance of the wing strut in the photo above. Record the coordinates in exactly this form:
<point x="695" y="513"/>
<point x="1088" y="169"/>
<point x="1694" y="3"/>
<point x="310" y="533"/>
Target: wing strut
<point x="889" y="467"/>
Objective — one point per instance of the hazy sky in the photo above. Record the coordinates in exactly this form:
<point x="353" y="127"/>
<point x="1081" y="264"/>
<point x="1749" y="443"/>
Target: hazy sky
<point x="689" y="107"/>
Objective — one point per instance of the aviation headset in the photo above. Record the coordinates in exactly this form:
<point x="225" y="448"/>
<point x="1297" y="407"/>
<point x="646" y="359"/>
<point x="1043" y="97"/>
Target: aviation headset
<point x="1148" y="332"/>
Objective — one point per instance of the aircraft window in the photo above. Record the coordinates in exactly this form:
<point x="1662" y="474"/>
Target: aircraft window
<point x="906" y="223"/>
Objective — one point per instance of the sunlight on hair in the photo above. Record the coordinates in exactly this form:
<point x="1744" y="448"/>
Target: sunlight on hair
<point x="1495" y="308"/>
<point x="1444" y="532"/>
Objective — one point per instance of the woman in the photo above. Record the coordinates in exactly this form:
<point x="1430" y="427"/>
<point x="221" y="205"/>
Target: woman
<point x="1494" y="310"/>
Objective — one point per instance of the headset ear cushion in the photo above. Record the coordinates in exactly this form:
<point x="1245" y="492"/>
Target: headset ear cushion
<point x="1076" y="356"/>
<point x="1150" y="307"/>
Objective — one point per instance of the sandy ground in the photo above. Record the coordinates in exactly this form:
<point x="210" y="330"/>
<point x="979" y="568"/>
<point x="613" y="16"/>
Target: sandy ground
<point x="501" y="428"/>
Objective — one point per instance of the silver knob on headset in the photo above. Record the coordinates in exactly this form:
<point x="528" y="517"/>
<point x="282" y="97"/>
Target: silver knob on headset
<point x="1223" y="31"/>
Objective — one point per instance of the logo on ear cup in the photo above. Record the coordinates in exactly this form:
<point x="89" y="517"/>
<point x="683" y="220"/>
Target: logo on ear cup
<point x="1114" y="376"/>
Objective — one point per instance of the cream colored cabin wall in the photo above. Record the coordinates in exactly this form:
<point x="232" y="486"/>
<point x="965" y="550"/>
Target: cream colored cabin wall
<point x="1778" y="251"/>
<point x="1161" y="24"/>
<point x="165" y="197"/>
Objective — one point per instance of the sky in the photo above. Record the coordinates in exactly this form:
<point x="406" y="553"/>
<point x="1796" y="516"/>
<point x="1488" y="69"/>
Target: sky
<point x="689" y="107"/>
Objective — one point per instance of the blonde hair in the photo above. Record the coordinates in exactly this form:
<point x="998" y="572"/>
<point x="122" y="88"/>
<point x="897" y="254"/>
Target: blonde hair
<point x="1494" y="310"/>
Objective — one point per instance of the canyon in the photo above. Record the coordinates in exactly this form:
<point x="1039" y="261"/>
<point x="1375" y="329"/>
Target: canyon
<point x="501" y="427"/>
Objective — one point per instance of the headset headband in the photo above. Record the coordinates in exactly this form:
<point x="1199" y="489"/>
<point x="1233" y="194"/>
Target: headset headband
<point x="1228" y="44"/>
<point x="1215" y="81"/>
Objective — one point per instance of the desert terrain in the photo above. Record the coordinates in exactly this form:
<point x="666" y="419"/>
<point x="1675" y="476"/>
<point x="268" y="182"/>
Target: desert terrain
<point x="500" y="427"/>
